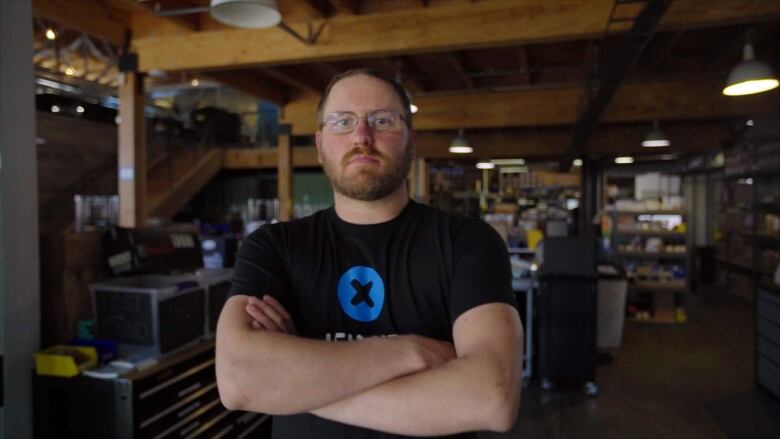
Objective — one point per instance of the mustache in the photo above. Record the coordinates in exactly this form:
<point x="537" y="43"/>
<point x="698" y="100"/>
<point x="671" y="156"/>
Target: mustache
<point x="368" y="152"/>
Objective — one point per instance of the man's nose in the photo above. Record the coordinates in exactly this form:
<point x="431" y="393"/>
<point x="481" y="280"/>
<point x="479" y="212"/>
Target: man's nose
<point x="362" y="135"/>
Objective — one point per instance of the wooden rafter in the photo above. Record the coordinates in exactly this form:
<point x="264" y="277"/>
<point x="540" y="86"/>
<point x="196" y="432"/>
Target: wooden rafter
<point x="435" y="29"/>
<point x="458" y="62"/>
<point x="462" y="26"/>
<point x="308" y="7"/>
<point x="634" y="102"/>
<point x="345" y="7"/>
<point x="271" y="91"/>
<point x="699" y="137"/>
<point x="93" y="17"/>
<point x="298" y="82"/>
<point x="524" y="63"/>
<point x="409" y="73"/>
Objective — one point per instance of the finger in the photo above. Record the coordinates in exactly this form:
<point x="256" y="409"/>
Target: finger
<point x="257" y="325"/>
<point x="254" y="311"/>
<point x="270" y="300"/>
<point x="277" y="306"/>
<point x="274" y="315"/>
<point x="268" y="323"/>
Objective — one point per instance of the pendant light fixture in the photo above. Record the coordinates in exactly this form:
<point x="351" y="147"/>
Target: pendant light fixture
<point x="655" y="137"/>
<point x="248" y="14"/>
<point x="751" y="76"/>
<point x="460" y="145"/>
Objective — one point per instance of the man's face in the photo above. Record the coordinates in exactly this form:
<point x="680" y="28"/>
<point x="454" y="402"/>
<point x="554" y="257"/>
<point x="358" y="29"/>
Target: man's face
<point x="365" y="164"/>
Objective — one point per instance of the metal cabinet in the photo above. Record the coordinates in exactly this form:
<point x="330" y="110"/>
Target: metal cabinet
<point x="177" y="397"/>
<point x="768" y="340"/>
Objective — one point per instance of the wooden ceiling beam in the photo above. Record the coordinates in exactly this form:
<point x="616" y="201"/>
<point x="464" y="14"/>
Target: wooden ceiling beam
<point x="461" y="26"/>
<point x="552" y="142"/>
<point x="248" y="83"/>
<point x="698" y="14"/>
<point x="524" y="63"/>
<point x="93" y="17"/>
<point x="517" y="143"/>
<point x="631" y="103"/>
<point x="458" y="62"/>
<point x="301" y="84"/>
<point x="307" y="7"/>
<point x="345" y="7"/>
<point x="408" y="73"/>
<point x="656" y="59"/>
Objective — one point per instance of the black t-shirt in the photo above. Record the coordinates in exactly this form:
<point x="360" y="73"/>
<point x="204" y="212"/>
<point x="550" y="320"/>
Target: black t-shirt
<point x="414" y="274"/>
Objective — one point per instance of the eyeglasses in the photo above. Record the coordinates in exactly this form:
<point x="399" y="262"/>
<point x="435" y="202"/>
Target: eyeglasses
<point x="342" y="122"/>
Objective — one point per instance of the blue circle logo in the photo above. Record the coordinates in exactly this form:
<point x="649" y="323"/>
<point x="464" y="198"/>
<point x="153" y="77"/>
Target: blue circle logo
<point x="361" y="293"/>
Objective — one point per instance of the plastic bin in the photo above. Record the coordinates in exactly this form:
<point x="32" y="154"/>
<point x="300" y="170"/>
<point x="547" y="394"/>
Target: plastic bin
<point x="149" y="315"/>
<point x="612" y="292"/>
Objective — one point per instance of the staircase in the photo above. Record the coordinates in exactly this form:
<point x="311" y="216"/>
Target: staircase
<point x="174" y="180"/>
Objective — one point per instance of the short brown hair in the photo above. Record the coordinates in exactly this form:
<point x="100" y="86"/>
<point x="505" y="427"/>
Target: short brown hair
<point x="397" y="87"/>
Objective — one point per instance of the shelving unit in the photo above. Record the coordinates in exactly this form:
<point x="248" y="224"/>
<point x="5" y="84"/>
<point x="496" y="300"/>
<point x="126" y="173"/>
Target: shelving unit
<point x="663" y="275"/>
<point x="748" y="214"/>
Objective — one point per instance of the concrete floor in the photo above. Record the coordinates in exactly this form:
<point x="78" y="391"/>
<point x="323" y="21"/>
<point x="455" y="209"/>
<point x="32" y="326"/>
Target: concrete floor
<point x="693" y="380"/>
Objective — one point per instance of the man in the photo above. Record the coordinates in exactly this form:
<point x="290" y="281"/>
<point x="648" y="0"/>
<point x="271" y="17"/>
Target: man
<point x="378" y="317"/>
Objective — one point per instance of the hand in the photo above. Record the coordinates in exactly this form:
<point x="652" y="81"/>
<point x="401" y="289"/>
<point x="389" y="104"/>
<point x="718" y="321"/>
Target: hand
<point x="429" y="353"/>
<point x="269" y="315"/>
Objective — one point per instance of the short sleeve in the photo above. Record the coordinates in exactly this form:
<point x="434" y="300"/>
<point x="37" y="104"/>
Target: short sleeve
<point x="260" y="268"/>
<point x="482" y="271"/>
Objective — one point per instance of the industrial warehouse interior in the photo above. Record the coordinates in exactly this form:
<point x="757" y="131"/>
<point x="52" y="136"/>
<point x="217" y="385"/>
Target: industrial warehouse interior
<point x="625" y="152"/>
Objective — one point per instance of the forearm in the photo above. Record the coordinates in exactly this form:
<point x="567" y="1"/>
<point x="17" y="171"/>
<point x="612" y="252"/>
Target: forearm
<point x="480" y="390"/>
<point x="276" y="373"/>
<point x="459" y="396"/>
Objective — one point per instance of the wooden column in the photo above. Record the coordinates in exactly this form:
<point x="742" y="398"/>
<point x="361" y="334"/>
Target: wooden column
<point x="285" y="173"/>
<point x="132" y="152"/>
<point x="418" y="180"/>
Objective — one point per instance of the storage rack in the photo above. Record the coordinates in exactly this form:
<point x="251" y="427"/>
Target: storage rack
<point x="768" y="339"/>
<point x="748" y="213"/>
<point x="668" y="295"/>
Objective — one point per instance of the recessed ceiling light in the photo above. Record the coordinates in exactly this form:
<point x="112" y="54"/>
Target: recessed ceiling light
<point x="50" y="34"/>
<point x="514" y="170"/>
<point x="505" y="162"/>
<point x="577" y="162"/>
<point x="624" y="160"/>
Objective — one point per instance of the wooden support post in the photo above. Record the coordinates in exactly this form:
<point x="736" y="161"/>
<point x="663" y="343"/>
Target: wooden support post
<point x="285" y="173"/>
<point x="131" y="162"/>
<point x="418" y="181"/>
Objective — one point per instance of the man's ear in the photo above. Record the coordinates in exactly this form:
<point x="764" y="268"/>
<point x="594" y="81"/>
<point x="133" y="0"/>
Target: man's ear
<point x="318" y="145"/>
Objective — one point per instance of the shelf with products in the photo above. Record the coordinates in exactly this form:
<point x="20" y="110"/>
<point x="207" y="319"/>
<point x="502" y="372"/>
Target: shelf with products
<point x="651" y="255"/>
<point x="652" y="246"/>
<point x="747" y="219"/>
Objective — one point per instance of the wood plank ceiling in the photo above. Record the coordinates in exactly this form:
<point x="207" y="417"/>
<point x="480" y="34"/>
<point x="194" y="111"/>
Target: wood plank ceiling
<point x="510" y="69"/>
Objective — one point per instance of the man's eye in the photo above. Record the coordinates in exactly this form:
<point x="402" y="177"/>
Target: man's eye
<point x="344" y="122"/>
<point x="382" y="121"/>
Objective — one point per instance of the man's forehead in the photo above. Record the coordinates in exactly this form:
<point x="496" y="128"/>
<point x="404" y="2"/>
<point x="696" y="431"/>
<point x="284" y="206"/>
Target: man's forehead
<point x="362" y="89"/>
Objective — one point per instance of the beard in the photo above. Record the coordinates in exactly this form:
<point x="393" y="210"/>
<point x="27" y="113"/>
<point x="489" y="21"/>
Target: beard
<point x="369" y="183"/>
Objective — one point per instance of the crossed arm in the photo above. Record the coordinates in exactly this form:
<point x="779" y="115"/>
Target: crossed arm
<point x="419" y="386"/>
